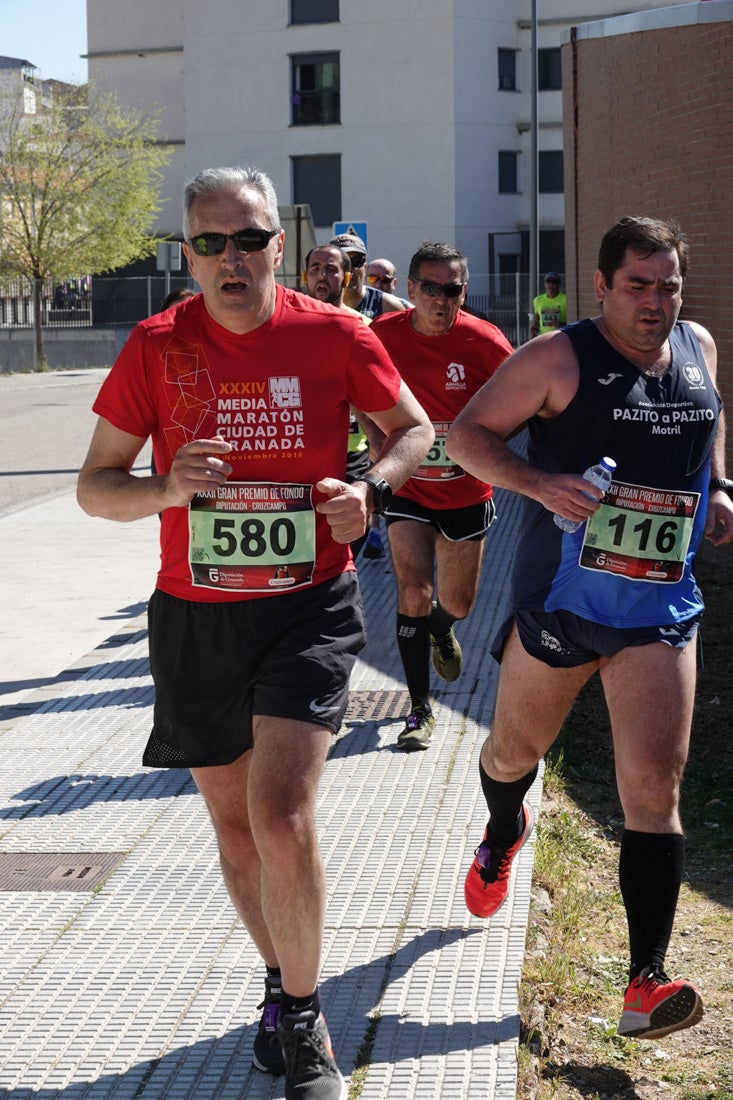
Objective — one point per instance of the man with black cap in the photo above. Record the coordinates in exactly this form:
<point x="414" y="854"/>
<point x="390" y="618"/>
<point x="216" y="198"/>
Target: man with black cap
<point x="550" y="308"/>
<point x="368" y="300"/>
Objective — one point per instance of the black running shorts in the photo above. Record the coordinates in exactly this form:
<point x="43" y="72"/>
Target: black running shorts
<point x="468" y="524"/>
<point x="562" y="639"/>
<point x="216" y="665"/>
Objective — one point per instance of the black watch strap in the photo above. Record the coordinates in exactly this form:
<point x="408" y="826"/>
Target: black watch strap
<point x="381" y="492"/>
<point x="723" y="483"/>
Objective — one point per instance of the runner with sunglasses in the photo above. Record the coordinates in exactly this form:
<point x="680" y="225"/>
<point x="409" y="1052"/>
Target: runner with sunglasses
<point x="256" y="619"/>
<point x="382" y="274"/>
<point x="360" y="295"/>
<point x="438" y="522"/>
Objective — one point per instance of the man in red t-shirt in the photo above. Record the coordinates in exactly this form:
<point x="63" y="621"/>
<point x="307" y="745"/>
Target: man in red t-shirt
<point x="256" y="619"/>
<point x="438" y="521"/>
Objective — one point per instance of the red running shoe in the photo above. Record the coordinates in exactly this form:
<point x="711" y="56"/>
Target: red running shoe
<point x="654" y="1005"/>
<point x="487" y="881"/>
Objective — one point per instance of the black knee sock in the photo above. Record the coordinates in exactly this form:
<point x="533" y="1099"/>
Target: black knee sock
<point x="650" y="874"/>
<point x="439" y="621"/>
<point x="505" y="804"/>
<point x="413" y="642"/>
<point x="290" y="1004"/>
<point x="274" y="980"/>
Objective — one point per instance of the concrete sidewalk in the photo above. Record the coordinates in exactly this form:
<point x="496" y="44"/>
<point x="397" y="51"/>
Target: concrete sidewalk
<point x="124" y="972"/>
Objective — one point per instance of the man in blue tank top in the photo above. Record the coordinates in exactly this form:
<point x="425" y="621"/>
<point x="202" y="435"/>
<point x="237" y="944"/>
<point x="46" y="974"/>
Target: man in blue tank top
<point x="618" y="595"/>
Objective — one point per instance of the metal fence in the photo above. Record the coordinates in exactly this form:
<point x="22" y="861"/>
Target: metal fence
<point x="101" y="300"/>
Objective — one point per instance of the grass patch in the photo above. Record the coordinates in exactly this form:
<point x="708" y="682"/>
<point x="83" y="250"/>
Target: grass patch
<point x="575" y="965"/>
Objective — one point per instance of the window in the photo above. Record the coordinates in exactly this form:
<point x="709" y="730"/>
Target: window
<point x="507" y="70"/>
<point x="508" y="174"/>
<point x="549" y="70"/>
<point x="314" y="11"/>
<point x="550" y="172"/>
<point x="317" y="180"/>
<point x="29" y="101"/>
<point x="509" y="264"/>
<point x="315" y="84"/>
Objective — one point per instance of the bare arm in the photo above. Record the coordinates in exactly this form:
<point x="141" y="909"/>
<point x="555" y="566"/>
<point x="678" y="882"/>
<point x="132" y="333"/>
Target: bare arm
<point x="375" y="436"/>
<point x="539" y="379"/>
<point x="408" y="436"/>
<point x="719" y="518"/>
<point x="391" y="303"/>
<point x="107" y="488"/>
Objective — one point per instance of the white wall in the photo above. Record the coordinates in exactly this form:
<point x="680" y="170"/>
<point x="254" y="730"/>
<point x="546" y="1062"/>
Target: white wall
<point x="422" y="119"/>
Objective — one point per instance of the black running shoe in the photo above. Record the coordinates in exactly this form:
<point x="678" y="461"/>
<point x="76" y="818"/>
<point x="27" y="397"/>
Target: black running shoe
<point x="310" y="1070"/>
<point x="267" y="1053"/>
<point x="373" y="547"/>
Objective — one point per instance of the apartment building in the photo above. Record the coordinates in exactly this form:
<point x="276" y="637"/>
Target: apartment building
<point x="409" y="118"/>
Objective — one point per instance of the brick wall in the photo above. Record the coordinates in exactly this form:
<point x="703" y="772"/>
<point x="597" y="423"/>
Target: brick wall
<point x="649" y="130"/>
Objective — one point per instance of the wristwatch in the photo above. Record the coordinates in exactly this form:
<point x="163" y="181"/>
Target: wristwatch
<point x="723" y="483"/>
<point x="381" y="492"/>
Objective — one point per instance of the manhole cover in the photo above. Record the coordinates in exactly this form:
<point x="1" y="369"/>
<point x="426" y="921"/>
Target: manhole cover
<point x="377" y="706"/>
<point x="56" y="870"/>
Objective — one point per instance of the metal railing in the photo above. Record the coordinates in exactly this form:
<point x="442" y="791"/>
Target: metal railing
<point x="111" y="300"/>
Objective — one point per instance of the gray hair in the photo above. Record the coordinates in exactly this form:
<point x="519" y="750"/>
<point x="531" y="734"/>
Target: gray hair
<point x="230" y="180"/>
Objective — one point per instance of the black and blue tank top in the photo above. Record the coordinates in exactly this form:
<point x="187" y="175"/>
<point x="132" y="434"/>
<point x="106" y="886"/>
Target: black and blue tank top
<point x="631" y="564"/>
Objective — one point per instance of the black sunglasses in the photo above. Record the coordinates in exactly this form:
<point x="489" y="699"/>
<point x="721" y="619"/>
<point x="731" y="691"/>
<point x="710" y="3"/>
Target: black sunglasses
<point x="245" y="240"/>
<point x="436" y="290"/>
<point x="357" y="261"/>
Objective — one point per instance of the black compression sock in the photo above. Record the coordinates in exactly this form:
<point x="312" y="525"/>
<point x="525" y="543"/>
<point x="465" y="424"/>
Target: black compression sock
<point x="413" y="642"/>
<point x="504" y="801"/>
<point x="274" y="979"/>
<point x="650" y="874"/>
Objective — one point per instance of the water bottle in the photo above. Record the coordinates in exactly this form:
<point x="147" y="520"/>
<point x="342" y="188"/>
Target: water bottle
<point x="601" y="476"/>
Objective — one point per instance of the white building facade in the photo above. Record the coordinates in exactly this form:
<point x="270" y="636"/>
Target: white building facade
<point x="411" y="116"/>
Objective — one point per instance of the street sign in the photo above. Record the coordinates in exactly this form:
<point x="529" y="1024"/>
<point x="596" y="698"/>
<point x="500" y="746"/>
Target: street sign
<point x="358" y="229"/>
<point x="169" y="256"/>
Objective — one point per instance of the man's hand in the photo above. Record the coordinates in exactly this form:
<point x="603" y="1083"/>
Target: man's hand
<point x="569" y="495"/>
<point x="719" y="518"/>
<point x="346" y="508"/>
<point x="195" y="468"/>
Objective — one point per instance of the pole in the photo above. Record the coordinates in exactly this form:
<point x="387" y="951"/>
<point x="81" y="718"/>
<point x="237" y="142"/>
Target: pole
<point x="517" y="303"/>
<point x="534" y="181"/>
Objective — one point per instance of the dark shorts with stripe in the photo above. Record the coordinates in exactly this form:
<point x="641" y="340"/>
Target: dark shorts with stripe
<point x="217" y="665"/>
<point x="564" y="640"/>
<point x="455" y="524"/>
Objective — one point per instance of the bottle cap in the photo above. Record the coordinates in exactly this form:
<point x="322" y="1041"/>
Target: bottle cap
<point x="608" y="463"/>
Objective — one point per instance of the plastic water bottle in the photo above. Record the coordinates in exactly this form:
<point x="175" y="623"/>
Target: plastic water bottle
<point x="601" y="476"/>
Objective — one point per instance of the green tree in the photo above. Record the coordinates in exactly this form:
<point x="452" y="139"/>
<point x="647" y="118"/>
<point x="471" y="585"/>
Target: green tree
<point x="79" y="188"/>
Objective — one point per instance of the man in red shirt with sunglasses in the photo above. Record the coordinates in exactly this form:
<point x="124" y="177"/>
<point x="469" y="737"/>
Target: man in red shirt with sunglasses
<point x="438" y="521"/>
<point x="256" y="618"/>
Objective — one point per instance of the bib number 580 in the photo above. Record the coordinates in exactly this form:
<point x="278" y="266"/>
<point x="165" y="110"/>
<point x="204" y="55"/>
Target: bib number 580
<point x="253" y="538"/>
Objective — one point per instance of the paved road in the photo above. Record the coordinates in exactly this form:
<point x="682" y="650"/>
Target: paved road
<point x="69" y="581"/>
<point x="47" y="421"/>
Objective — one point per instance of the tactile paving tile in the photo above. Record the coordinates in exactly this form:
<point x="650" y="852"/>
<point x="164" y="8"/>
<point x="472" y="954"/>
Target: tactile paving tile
<point x="149" y="985"/>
